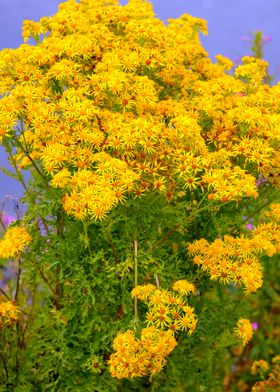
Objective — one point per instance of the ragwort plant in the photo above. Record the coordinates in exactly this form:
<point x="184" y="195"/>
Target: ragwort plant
<point x="135" y="270"/>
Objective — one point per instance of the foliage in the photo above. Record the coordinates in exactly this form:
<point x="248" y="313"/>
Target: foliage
<point x="148" y="162"/>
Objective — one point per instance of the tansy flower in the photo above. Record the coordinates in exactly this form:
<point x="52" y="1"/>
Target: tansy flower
<point x="9" y="312"/>
<point x="14" y="242"/>
<point x="184" y="287"/>
<point x="225" y="62"/>
<point x="167" y="310"/>
<point x="244" y="330"/>
<point x="143" y="292"/>
<point x="260" y="366"/>
<point x="135" y="357"/>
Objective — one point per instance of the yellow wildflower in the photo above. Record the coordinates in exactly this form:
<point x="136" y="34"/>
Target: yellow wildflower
<point x="260" y="366"/>
<point x="184" y="287"/>
<point x="244" y="330"/>
<point x="14" y="242"/>
<point x="9" y="312"/>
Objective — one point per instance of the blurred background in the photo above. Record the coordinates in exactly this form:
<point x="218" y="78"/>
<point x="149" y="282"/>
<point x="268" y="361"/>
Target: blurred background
<point x="230" y="23"/>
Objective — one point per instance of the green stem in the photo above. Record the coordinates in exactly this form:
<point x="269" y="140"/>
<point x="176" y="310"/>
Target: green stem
<point x="33" y="163"/>
<point x="87" y="241"/>
<point x="18" y="279"/>
<point x="203" y="198"/>
<point x="257" y="210"/>
<point x="135" y="246"/>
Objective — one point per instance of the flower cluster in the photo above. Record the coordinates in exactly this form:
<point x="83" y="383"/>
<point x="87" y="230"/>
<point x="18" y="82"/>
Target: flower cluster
<point x="274" y="213"/>
<point x="167" y="314"/>
<point x="9" y="312"/>
<point x="135" y="357"/>
<point x="237" y="259"/>
<point x="168" y="310"/>
<point x="244" y="330"/>
<point x="13" y="242"/>
<point x="272" y="382"/>
<point x="112" y="102"/>
<point x="260" y="366"/>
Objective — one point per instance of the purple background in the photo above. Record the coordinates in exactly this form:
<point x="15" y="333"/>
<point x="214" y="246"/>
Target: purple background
<point x="227" y="20"/>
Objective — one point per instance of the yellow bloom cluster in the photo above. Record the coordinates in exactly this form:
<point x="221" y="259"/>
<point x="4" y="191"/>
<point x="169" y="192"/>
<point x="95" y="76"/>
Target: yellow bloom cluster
<point x="272" y="382"/>
<point x="167" y="313"/>
<point x="236" y="259"/>
<point x="14" y="242"/>
<point x="168" y="310"/>
<point x="135" y="357"/>
<point x="225" y="62"/>
<point x="9" y="312"/>
<point x="260" y="366"/>
<point x="184" y="287"/>
<point x="113" y="102"/>
<point x="274" y="213"/>
<point x="244" y="330"/>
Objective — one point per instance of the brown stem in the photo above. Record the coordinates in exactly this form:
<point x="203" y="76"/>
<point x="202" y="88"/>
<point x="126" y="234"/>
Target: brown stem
<point x="1" y="223"/>
<point x="164" y="237"/>
<point x="119" y="312"/>
<point x="47" y="282"/>
<point x="5" y="294"/>
<point x="1" y="214"/>
<point x="157" y="281"/>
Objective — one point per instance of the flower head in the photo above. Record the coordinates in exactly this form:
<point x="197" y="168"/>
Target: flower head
<point x="14" y="242"/>
<point x="184" y="287"/>
<point x="244" y="330"/>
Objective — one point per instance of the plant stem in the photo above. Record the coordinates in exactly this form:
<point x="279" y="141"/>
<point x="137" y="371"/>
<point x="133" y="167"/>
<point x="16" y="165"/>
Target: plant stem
<point x="28" y="193"/>
<point x="135" y="246"/>
<point x="87" y="241"/>
<point x="257" y="210"/>
<point x="5" y="366"/>
<point x="157" y="281"/>
<point x="5" y="294"/>
<point x="18" y="279"/>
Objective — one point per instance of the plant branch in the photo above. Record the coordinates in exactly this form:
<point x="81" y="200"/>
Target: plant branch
<point x="5" y="294"/>
<point x="135" y="247"/>
<point x="18" y="278"/>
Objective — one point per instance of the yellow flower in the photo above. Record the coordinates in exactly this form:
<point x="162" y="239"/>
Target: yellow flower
<point x="184" y="287"/>
<point x="14" y="242"/>
<point x="61" y="179"/>
<point x="244" y="330"/>
<point x="135" y="357"/>
<point x="143" y="292"/>
<point x="225" y="62"/>
<point x="260" y="366"/>
<point x="9" y="312"/>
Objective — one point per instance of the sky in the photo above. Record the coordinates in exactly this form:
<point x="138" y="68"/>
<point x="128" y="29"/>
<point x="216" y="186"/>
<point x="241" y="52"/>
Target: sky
<point x="228" y="21"/>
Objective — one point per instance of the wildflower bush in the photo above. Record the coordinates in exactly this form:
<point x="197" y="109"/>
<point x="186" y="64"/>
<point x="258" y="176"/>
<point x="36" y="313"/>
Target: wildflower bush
<point x="147" y="254"/>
